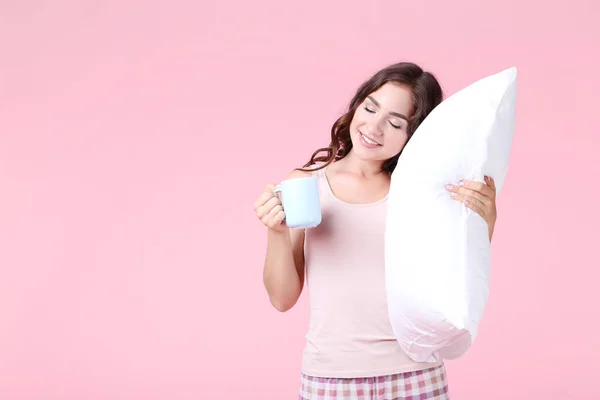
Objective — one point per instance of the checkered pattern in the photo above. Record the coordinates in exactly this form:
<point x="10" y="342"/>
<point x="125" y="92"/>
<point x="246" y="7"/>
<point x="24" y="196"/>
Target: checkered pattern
<point x="427" y="384"/>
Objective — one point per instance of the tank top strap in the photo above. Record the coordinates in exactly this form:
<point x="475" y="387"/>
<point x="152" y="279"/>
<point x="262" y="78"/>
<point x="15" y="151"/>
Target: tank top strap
<point x="323" y="183"/>
<point x="320" y="173"/>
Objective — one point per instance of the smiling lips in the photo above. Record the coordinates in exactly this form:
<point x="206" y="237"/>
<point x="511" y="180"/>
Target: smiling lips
<point x="368" y="142"/>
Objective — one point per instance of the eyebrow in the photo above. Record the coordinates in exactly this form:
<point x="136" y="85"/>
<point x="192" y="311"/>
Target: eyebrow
<point x="391" y="113"/>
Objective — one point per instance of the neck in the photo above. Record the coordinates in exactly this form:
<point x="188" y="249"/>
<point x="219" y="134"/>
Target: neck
<point x="367" y="169"/>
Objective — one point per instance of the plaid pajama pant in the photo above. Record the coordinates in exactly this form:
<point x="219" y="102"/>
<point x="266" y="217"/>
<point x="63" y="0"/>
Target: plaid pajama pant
<point x="427" y="384"/>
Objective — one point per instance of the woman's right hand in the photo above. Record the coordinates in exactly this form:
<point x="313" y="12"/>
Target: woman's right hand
<point x="269" y="210"/>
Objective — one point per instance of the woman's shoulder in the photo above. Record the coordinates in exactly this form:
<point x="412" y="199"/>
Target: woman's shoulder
<point x="303" y="172"/>
<point x="298" y="173"/>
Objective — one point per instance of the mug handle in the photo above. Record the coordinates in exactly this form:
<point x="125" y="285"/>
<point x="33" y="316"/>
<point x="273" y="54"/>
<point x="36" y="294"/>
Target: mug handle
<point x="278" y="189"/>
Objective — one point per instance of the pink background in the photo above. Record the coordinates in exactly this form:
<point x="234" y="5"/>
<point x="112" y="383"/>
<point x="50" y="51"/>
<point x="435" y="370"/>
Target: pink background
<point x="135" y="136"/>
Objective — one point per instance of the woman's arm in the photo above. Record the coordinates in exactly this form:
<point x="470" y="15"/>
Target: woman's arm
<point x="283" y="273"/>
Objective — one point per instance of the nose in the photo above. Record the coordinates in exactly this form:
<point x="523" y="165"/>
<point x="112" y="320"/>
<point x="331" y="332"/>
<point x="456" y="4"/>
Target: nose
<point x="374" y="129"/>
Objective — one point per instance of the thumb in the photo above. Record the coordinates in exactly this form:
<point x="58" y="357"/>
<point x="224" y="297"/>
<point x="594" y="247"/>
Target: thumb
<point x="490" y="182"/>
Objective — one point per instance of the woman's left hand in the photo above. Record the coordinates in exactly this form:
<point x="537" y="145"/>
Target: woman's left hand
<point x="479" y="197"/>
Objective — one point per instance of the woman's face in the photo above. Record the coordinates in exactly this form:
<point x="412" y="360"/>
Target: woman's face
<point x="379" y="127"/>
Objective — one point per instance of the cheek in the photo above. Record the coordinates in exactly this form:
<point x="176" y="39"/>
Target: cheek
<point x="355" y="122"/>
<point x="397" y="142"/>
<point x="354" y="127"/>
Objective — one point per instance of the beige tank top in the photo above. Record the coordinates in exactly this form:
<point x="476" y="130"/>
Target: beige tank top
<point x="349" y="333"/>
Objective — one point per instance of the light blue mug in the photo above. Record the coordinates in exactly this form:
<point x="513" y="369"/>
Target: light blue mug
<point x="300" y="200"/>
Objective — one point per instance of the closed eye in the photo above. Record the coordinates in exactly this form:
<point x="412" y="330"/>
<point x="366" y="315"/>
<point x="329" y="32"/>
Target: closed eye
<point x="396" y="126"/>
<point x="369" y="110"/>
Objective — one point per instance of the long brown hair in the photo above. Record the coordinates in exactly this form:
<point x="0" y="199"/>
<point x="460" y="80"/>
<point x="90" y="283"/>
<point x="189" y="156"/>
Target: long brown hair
<point x="426" y="95"/>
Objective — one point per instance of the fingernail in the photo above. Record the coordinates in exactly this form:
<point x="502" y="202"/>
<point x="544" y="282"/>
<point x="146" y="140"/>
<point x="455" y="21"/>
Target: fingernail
<point x="453" y="194"/>
<point x="466" y="202"/>
<point x="461" y="183"/>
<point x="449" y="187"/>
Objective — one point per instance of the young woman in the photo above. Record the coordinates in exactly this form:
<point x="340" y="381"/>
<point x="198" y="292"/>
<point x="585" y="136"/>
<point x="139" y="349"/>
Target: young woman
<point x="351" y="352"/>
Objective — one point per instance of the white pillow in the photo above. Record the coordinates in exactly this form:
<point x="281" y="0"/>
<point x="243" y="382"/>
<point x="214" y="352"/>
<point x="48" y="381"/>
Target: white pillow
<point x="437" y="251"/>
